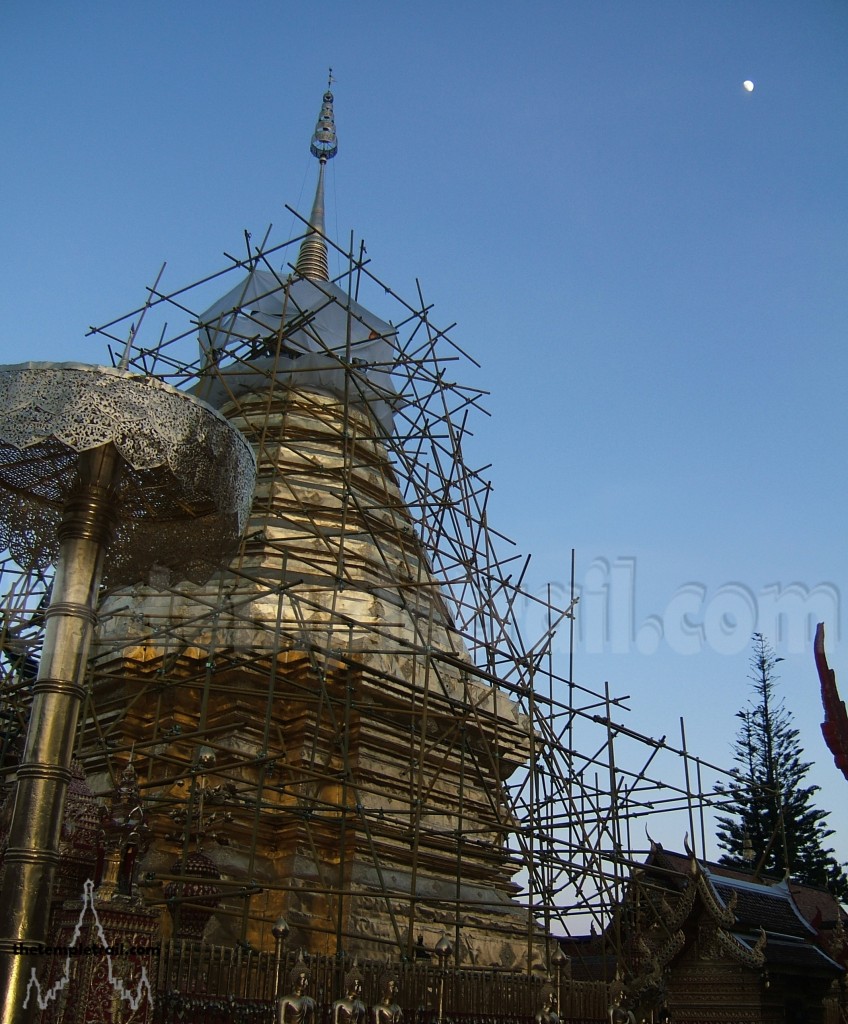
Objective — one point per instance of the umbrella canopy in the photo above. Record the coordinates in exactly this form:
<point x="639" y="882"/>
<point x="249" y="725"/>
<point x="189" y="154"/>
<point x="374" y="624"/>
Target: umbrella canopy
<point x="186" y="480"/>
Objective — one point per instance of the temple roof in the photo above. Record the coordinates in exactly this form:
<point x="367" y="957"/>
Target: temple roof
<point x="818" y="906"/>
<point x="797" y="954"/>
<point x="771" y="906"/>
<point x="761" y="906"/>
<point x="790" y="908"/>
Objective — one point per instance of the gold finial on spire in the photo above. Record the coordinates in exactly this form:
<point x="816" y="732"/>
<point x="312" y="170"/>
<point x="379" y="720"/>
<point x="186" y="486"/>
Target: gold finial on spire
<point x="312" y="259"/>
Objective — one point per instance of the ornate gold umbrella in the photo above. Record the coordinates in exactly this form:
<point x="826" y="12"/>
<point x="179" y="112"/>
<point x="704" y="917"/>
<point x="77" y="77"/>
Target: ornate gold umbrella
<point x="94" y="458"/>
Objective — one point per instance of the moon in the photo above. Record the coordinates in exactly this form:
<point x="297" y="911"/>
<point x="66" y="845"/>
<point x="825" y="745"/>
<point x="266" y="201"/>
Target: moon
<point x="748" y="85"/>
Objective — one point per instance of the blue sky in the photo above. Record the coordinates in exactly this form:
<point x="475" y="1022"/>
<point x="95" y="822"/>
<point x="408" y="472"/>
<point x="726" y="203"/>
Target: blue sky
<point x="648" y="261"/>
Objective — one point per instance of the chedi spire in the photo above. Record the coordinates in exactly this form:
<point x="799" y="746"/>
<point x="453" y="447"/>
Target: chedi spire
<point x="312" y="259"/>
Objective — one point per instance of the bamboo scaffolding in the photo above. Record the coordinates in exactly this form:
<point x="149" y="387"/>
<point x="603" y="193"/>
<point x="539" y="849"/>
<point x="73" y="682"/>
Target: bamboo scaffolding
<point x="525" y="800"/>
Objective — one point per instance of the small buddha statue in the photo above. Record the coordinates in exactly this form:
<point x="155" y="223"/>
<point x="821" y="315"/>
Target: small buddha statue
<point x="297" y="1007"/>
<point x="387" y="1010"/>
<point x="350" y="1009"/>
<point x="619" y="1014"/>
<point x="547" y="1013"/>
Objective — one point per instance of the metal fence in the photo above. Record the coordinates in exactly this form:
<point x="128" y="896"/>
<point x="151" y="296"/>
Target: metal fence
<point x="223" y="985"/>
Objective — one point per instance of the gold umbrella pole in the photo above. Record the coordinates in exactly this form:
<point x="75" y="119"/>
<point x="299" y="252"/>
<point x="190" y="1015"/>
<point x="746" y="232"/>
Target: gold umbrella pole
<point x="44" y="772"/>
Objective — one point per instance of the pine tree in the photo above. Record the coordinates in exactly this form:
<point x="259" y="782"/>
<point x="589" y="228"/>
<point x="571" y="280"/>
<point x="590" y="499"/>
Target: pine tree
<point x="771" y="823"/>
